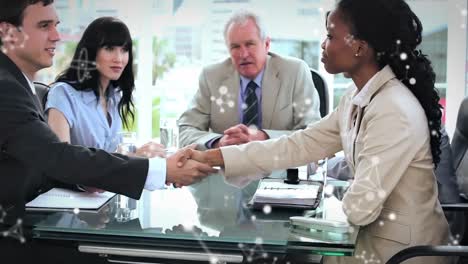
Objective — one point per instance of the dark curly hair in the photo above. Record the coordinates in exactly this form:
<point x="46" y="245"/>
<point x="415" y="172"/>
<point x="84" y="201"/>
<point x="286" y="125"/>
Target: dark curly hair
<point x="82" y="73"/>
<point x="393" y="30"/>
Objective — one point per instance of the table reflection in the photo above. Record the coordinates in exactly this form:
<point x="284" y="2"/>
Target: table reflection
<point x="208" y="213"/>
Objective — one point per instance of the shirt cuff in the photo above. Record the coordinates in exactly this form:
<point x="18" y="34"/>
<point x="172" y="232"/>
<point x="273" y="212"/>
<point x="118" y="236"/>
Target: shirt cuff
<point x="156" y="178"/>
<point x="210" y="143"/>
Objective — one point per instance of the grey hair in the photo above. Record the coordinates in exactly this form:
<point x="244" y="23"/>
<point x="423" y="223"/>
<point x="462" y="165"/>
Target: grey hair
<point x="241" y="17"/>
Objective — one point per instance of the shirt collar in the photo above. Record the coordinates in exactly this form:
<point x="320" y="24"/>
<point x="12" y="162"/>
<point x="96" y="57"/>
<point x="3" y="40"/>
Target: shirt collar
<point x="258" y="80"/>
<point x="363" y="97"/>
<point x="31" y="84"/>
<point x="89" y="96"/>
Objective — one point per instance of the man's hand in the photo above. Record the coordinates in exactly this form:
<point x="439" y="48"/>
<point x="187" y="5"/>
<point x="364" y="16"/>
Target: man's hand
<point x="90" y="189"/>
<point x="183" y="170"/>
<point x="240" y="134"/>
<point x="151" y="150"/>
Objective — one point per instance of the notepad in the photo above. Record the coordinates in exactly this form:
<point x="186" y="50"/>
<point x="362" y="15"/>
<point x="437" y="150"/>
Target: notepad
<point x="58" y="199"/>
<point x="276" y="193"/>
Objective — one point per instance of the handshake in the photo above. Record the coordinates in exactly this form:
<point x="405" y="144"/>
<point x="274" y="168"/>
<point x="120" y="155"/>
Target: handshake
<point x="188" y="166"/>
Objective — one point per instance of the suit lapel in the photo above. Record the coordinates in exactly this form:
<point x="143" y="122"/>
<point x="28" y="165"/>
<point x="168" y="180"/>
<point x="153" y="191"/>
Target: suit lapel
<point x="270" y="90"/>
<point x="232" y="82"/>
<point x="6" y="63"/>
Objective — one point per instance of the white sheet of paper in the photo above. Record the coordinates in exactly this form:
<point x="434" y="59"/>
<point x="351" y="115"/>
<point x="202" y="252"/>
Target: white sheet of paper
<point x="58" y="198"/>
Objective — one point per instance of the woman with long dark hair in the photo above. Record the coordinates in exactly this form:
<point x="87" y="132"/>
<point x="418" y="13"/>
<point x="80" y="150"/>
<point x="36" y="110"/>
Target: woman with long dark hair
<point x="387" y="124"/>
<point x="93" y="96"/>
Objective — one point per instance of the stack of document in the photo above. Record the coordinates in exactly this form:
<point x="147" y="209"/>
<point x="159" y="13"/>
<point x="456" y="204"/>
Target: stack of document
<point x="63" y="200"/>
<point x="276" y="193"/>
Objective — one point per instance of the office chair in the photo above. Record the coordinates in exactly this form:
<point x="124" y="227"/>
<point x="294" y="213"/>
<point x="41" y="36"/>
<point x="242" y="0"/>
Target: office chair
<point x="41" y="92"/>
<point x="322" y="90"/>
<point x="460" y="155"/>
<point x="460" y="147"/>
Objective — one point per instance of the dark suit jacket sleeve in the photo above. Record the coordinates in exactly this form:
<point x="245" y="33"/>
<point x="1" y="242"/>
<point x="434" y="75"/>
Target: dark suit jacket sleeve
<point x="27" y="140"/>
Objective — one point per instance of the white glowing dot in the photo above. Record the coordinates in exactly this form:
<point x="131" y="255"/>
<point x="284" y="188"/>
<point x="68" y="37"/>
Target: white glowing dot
<point x="240" y="245"/>
<point x="350" y="229"/>
<point x="308" y="101"/>
<point x="259" y="241"/>
<point x="403" y="56"/>
<point x="223" y="90"/>
<point x="329" y="189"/>
<point x="294" y="104"/>
<point x="381" y="193"/>
<point x="213" y="260"/>
<point x="398" y="41"/>
<point x="253" y="129"/>
<point x="300" y="115"/>
<point x="219" y="101"/>
<point x="407" y="67"/>
<point x="253" y="218"/>
<point x="381" y="223"/>
<point x="249" y="259"/>
<point x="392" y="216"/>
<point x="267" y="209"/>
<point x="231" y="104"/>
<point x="244" y="106"/>
<point x="332" y="25"/>
<point x="221" y="110"/>
<point x="188" y="227"/>
<point x="412" y="81"/>
<point x="76" y="210"/>
<point x="463" y="12"/>
<point x="370" y="196"/>
<point x="434" y="132"/>
<point x="212" y="98"/>
<point x="320" y="9"/>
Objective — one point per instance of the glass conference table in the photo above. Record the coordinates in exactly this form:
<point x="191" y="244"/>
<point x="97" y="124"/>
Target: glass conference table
<point x="209" y="222"/>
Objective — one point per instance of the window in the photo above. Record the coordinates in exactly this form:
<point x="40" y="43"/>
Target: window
<point x="186" y="35"/>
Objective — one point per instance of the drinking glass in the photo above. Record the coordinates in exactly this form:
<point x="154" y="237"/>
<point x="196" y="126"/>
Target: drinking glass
<point x="169" y="134"/>
<point x="127" y="142"/>
<point x="124" y="208"/>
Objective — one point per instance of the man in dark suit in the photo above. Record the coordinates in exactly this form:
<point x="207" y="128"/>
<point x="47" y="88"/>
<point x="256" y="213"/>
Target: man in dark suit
<point x="32" y="158"/>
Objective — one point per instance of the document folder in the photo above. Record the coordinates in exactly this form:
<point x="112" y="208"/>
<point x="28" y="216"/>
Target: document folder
<point x="58" y="199"/>
<point x="276" y="193"/>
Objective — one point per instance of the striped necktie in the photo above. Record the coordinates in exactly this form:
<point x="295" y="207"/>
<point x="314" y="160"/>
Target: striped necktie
<point x="250" y="113"/>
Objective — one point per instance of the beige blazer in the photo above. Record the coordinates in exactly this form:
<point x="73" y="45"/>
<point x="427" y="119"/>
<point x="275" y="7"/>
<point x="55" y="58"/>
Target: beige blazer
<point x="385" y="138"/>
<point x="289" y="101"/>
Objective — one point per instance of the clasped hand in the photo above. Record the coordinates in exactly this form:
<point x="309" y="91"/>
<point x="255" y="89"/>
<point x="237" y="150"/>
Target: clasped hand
<point x="240" y="134"/>
<point x="183" y="169"/>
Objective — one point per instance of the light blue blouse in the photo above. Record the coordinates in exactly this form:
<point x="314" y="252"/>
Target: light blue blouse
<point x="88" y="123"/>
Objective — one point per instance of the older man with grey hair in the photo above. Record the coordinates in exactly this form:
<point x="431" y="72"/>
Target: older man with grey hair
<point x="253" y="95"/>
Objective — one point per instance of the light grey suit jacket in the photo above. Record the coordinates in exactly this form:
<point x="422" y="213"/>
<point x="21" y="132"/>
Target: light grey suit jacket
<point x="289" y="101"/>
<point x="393" y="197"/>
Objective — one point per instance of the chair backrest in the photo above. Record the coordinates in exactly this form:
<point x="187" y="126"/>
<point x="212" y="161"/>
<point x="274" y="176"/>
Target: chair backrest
<point x="460" y="147"/>
<point x="322" y="90"/>
<point x="41" y="92"/>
